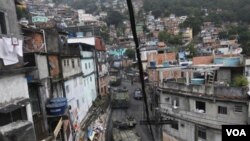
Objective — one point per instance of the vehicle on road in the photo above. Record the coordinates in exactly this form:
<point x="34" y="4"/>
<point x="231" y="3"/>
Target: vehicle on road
<point x="119" y="98"/>
<point x="123" y="130"/>
<point x="138" y="94"/>
<point x="115" y="77"/>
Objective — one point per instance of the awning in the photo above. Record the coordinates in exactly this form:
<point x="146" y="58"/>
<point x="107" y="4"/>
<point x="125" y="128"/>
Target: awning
<point x="14" y="105"/>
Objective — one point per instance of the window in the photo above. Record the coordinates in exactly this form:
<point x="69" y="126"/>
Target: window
<point x="18" y="114"/>
<point x="90" y="79"/>
<point x="73" y="63"/>
<point x="86" y="67"/>
<point x="175" y="125"/>
<point x="3" y="27"/>
<point x="167" y="99"/>
<point x="238" y="108"/>
<point x="67" y="89"/>
<point x="175" y="102"/>
<point x="67" y="62"/>
<point x="89" y="64"/>
<point x="78" y="104"/>
<point x="34" y="97"/>
<point x="202" y="133"/>
<point x="101" y="90"/>
<point x="64" y="62"/>
<point x="222" y="110"/>
<point x="200" y="107"/>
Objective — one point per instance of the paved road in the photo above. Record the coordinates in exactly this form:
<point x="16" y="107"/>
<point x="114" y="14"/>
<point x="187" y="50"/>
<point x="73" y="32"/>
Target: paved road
<point x="135" y="109"/>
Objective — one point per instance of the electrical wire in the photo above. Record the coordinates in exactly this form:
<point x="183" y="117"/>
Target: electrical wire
<point x="133" y="27"/>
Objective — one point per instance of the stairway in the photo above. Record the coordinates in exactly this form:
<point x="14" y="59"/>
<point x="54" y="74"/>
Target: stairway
<point x="211" y="76"/>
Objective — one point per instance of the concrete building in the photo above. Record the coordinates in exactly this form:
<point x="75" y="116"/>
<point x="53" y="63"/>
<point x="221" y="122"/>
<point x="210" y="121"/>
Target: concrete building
<point x="86" y="19"/>
<point x="200" y="108"/>
<point x="102" y="66"/>
<point x="88" y="67"/>
<point x="187" y="34"/>
<point x="15" y="109"/>
<point x="43" y="50"/>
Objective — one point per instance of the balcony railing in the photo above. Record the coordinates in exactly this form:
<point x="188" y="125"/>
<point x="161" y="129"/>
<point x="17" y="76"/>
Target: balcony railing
<point x="209" y="90"/>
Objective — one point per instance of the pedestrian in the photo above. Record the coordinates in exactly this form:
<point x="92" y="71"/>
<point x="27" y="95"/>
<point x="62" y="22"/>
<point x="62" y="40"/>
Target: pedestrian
<point x="132" y="81"/>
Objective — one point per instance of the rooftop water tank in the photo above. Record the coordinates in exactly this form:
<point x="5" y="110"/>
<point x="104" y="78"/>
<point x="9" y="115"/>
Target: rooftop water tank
<point x="166" y="64"/>
<point x="197" y="81"/>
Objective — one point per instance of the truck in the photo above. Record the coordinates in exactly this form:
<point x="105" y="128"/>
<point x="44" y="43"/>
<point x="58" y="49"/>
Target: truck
<point x="119" y="98"/>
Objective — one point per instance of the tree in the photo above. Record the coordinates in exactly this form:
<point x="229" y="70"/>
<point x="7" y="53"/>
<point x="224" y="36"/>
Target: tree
<point x="114" y="18"/>
<point x="163" y="36"/>
<point x="194" y="23"/>
<point x="192" y="50"/>
<point x="175" y="39"/>
<point x="105" y="34"/>
<point x="21" y="13"/>
<point x="223" y="35"/>
<point x="240" y="81"/>
<point x="130" y="53"/>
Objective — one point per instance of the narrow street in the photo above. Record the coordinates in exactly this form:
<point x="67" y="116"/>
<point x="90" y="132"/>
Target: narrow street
<point x="135" y="109"/>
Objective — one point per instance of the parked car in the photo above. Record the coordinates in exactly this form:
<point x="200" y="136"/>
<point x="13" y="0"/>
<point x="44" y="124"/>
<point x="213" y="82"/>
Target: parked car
<point x="138" y="94"/>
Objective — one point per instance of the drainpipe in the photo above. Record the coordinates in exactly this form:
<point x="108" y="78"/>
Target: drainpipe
<point x="44" y="40"/>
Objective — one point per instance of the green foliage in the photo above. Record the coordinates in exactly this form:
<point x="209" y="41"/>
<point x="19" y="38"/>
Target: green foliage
<point x="114" y="18"/>
<point x="168" y="38"/>
<point x="88" y="5"/>
<point x="192" y="50"/>
<point x="22" y="13"/>
<point x="163" y="36"/>
<point x="218" y="10"/>
<point x="130" y="53"/>
<point x="105" y="34"/>
<point x="223" y="35"/>
<point x="194" y="23"/>
<point x="240" y="81"/>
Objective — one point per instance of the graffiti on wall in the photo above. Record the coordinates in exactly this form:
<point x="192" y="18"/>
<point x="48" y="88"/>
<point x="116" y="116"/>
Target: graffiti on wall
<point x="34" y="43"/>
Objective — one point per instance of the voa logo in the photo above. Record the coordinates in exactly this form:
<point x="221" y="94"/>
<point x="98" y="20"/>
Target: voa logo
<point x="236" y="132"/>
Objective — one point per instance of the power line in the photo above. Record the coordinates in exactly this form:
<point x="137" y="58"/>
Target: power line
<point x="133" y="27"/>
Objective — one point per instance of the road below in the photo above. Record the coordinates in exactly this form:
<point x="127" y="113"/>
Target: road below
<point x="135" y="109"/>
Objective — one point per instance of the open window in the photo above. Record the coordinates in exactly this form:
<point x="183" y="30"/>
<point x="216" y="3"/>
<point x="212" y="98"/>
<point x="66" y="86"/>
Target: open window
<point x="3" y="27"/>
<point x="202" y="135"/>
<point x="200" y="107"/>
<point x="175" y="125"/>
<point x="175" y="102"/>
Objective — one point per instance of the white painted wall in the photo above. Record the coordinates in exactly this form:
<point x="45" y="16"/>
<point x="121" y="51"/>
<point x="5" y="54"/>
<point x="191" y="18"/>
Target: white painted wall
<point x="14" y="86"/>
<point x="74" y="89"/>
<point x="87" y="66"/>
<point x="67" y="66"/>
<point x="90" y="88"/>
<point x="86" y="54"/>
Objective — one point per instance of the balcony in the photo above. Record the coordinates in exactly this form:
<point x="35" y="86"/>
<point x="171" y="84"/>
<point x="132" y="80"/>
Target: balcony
<point x="224" y="92"/>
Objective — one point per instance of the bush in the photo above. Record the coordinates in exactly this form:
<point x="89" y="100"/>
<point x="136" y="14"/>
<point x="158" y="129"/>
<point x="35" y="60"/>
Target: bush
<point x="240" y="81"/>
